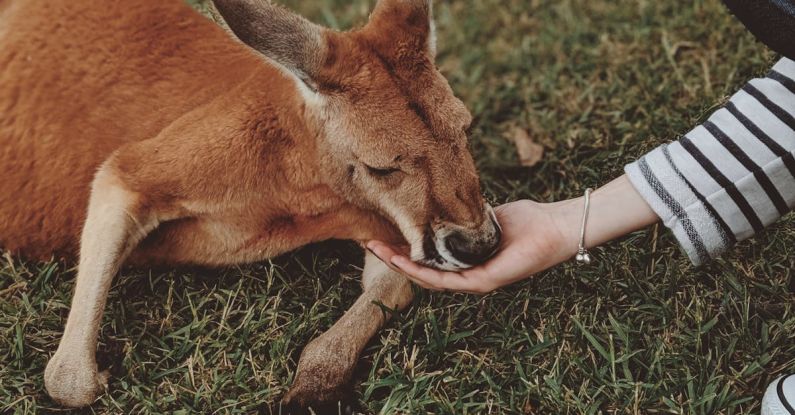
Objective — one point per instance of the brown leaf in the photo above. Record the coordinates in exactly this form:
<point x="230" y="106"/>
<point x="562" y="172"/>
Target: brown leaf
<point x="530" y="152"/>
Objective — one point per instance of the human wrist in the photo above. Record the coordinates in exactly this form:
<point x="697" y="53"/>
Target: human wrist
<point x="616" y="209"/>
<point x="567" y="215"/>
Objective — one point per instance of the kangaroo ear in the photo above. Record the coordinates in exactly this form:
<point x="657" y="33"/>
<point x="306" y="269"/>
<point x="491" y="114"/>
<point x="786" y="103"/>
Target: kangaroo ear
<point x="277" y="33"/>
<point x="404" y="27"/>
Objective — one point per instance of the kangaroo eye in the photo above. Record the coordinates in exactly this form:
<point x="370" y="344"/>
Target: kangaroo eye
<point x="381" y="172"/>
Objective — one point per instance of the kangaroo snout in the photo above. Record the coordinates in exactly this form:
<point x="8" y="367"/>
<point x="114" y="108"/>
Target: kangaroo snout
<point x="463" y="247"/>
<point x="474" y="248"/>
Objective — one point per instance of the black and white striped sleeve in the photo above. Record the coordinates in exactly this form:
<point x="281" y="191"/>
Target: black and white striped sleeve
<point x="731" y="176"/>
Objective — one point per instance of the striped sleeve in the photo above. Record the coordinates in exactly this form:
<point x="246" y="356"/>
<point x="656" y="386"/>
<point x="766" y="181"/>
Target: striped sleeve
<point x="731" y="176"/>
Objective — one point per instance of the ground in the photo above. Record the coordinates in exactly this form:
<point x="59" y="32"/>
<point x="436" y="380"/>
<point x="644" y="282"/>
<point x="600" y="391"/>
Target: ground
<point x="597" y="83"/>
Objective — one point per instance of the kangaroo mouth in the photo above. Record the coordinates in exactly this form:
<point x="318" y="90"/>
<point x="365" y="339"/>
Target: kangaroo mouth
<point x="430" y="253"/>
<point x="452" y="247"/>
<point x="432" y="257"/>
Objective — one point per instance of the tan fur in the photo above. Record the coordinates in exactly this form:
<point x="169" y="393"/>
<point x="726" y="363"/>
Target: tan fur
<point x="216" y="152"/>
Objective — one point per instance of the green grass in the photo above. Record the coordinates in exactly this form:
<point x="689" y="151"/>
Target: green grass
<point x="598" y="82"/>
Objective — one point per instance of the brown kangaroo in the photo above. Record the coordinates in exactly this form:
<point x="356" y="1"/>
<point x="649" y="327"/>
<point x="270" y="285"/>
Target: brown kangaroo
<point x="143" y="133"/>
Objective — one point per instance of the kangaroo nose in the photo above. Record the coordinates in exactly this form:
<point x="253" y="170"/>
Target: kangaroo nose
<point x="474" y="249"/>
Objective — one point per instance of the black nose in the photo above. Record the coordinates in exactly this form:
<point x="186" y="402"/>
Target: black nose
<point x="473" y="250"/>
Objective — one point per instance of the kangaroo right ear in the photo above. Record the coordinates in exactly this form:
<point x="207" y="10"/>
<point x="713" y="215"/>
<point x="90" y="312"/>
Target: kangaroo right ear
<point x="403" y="27"/>
<point x="277" y="33"/>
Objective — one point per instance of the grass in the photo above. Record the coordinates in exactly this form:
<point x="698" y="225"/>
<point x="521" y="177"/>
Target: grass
<point x="598" y="83"/>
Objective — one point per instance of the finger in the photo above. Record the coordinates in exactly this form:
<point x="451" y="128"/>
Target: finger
<point x="383" y="253"/>
<point x="422" y="284"/>
<point x="507" y="266"/>
<point x="382" y="250"/>
<point x="426" y="274"/>
<point x="440" y="279"/>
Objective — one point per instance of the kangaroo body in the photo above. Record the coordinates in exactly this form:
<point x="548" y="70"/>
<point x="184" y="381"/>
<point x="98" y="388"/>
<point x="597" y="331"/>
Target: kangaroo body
<point x="71" y="95"/>
<point x="141" y="132"/>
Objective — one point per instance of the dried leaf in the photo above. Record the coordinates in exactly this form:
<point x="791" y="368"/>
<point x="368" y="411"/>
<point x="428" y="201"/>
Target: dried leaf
<point x="530" y="152"/>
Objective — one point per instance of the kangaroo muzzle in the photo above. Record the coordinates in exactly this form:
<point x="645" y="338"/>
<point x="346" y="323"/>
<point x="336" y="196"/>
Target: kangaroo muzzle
<point x="453" y="247"/>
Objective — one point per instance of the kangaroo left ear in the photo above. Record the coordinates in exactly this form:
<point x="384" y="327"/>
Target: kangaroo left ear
<point x="404" y="27"/>
<point x="277" y="33"/>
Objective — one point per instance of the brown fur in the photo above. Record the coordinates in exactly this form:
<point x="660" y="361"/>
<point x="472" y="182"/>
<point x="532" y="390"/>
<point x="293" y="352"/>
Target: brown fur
<point x="211" y="153"/>
<point x="226" y="124"/>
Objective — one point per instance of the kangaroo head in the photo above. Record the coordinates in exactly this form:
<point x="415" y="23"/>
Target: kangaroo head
<point x="392" y="133"/>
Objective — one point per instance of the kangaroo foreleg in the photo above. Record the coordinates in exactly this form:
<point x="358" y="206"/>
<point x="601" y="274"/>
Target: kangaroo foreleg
<point x="114" y="225"/>
<point x="327" y="363"/>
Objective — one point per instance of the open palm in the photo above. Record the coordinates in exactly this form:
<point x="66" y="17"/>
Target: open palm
<point x="534" y="239"/>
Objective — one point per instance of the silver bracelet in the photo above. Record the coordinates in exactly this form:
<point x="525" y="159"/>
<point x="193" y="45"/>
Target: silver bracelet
<point x="583" y="256"/>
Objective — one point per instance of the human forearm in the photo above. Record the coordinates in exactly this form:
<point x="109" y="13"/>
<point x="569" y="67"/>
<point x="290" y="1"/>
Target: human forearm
<point x="616" y="209"/>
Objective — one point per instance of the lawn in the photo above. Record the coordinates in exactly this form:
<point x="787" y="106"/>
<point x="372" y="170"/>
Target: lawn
<point x="597" y="83"/>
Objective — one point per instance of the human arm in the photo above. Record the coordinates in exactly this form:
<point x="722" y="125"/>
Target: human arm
<point x="721" y="183"/>
<point x="730" y="177"/>
<point x="536" y="236"/>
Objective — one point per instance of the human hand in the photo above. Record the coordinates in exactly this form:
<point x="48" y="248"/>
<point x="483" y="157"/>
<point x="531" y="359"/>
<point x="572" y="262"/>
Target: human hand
<point x="536" y="236"/>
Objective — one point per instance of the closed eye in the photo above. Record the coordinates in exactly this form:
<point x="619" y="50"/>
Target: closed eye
<point x="381" y="171"/>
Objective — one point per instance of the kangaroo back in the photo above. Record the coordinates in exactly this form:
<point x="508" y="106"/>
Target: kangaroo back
<point x="80" y="79"/>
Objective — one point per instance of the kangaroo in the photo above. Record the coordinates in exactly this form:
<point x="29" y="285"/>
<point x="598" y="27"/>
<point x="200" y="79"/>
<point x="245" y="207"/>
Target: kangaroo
<point x="142" y="133"/>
